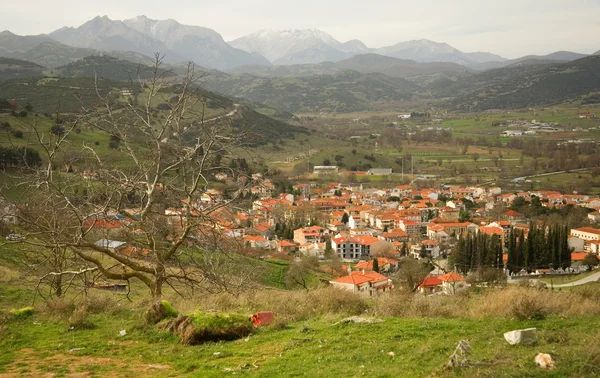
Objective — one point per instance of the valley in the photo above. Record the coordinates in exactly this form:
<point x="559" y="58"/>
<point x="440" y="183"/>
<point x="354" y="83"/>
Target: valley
<point x="179" y="202"/>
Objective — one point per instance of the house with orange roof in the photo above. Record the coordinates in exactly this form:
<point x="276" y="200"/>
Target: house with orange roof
<point x="430" y="247"/>
<point x="261" y="228"/>
<point x="385" y="265"/>
<point x="452" y="283"/>
<point x="512" y="215"/>
<point x="491" y="230"/>
<point x="366" y="283"/>
<point x="449" y="213"/>
<point x="577" y="257"/>
<point x="256" y="241"/>
<point x="336" y="226"/>
<point x="286" y="246"/>
<point x="594" y="216"/>
<point x="359" y="247"/>
<point x="450" y="228"/>
<point x="430" y="285"/>
<point x="586" y="233"/>
<point x="310" y="234"/>
<point x="396" y="234"/>
<point x="412" y="228"/>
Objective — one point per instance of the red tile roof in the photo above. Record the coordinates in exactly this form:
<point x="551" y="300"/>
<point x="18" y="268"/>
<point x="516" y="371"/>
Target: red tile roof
<point x="588" y="230"/>
<point x="430" y="282"/>
<point x="359" y="278"/>
<point x="451" y="277"/>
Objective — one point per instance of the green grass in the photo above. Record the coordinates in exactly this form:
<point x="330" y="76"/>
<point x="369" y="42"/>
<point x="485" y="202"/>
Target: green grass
<point x="318" y="347"/>
<point x="219" y="321"/>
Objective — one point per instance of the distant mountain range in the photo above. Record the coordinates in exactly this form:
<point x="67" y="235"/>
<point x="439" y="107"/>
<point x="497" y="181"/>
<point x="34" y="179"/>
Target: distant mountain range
<point x="365" y="63"/>
<point x="139" y="38"/>
<point x="45" y="51"/>
<point x="315" y="46"/>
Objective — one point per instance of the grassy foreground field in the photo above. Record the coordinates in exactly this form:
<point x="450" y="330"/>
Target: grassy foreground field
<point x="82" y="338"/>
<point x="413" y="347"/>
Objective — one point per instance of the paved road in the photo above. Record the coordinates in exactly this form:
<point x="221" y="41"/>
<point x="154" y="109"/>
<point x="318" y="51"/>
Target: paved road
<point x="591" y="278"/>
<point x="235" y="109"/>
<point x="551" y="173"/>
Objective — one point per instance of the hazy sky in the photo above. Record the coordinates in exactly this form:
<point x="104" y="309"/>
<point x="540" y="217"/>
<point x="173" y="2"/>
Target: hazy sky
<point x="510" y="28"/>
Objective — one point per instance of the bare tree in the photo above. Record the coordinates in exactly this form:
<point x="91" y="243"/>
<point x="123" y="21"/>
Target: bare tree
<point x="411" y="272"/>
<point x="152" y="191"/>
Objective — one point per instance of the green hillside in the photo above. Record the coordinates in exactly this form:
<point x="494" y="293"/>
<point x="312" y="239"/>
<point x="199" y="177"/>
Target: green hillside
<point x="524" y="86"/>
<point x="15" y="68"/>
<point x="108" y="68"/>
<point x="348" y="91"/>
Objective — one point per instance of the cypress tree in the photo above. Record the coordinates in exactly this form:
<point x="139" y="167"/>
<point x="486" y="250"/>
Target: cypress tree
<point x="512" y="246"/>
<point x="519" y="251"/>
<point x="565" y="251"/>
<point x="529" y="249"/>
<point x="375" y="265"/>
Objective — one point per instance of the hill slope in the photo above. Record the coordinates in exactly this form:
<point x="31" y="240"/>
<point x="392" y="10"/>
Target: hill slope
<point x="47" y="52"/>
<point x="525" y="86"/>
<point x="15" y="68"/>
<point x="69" y="95"/>
<point x="346" y="91"/>
<point x="105" y="67"/>
<point x="555" y="57"/>
<point x="365" y="63"/>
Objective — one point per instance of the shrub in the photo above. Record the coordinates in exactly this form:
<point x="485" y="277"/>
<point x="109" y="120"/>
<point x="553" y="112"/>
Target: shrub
<point x="17" y="134"/>
<point x="59" y="307"/>
<point x="528" y="308"/>
<point x="22" y="313"/>
<point x="79" y="318"/>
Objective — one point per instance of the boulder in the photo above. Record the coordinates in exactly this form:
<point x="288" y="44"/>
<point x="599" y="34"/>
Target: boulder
<point x="521" y="336"/>
<point x="544" y="361"/>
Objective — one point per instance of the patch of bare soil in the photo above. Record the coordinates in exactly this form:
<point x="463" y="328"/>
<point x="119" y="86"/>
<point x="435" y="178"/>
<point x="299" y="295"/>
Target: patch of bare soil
<point x="70" y="365"/>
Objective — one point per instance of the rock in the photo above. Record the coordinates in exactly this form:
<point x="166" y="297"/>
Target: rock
<point x="122" y="333"/>
<point x="521" y="336"/>
<point x="544" y="361"/>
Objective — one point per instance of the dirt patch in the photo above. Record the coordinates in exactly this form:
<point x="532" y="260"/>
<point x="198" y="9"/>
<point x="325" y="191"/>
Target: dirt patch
<point x="70" y="365"/>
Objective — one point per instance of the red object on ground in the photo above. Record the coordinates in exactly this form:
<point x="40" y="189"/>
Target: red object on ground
<point x="262" y="318"/>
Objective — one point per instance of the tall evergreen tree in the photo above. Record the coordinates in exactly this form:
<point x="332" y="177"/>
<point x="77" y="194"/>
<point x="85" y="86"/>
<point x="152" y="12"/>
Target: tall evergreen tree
<point x="375" y="265"/>
<point x="512" y="250"/>
<point x="529" y="255"/>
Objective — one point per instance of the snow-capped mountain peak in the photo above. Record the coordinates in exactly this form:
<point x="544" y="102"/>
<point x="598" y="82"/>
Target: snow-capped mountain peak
<point x="284" y="44"/>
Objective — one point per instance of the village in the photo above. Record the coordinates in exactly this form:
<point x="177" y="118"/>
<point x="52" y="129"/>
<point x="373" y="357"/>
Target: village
<point x="366" y="233"/>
